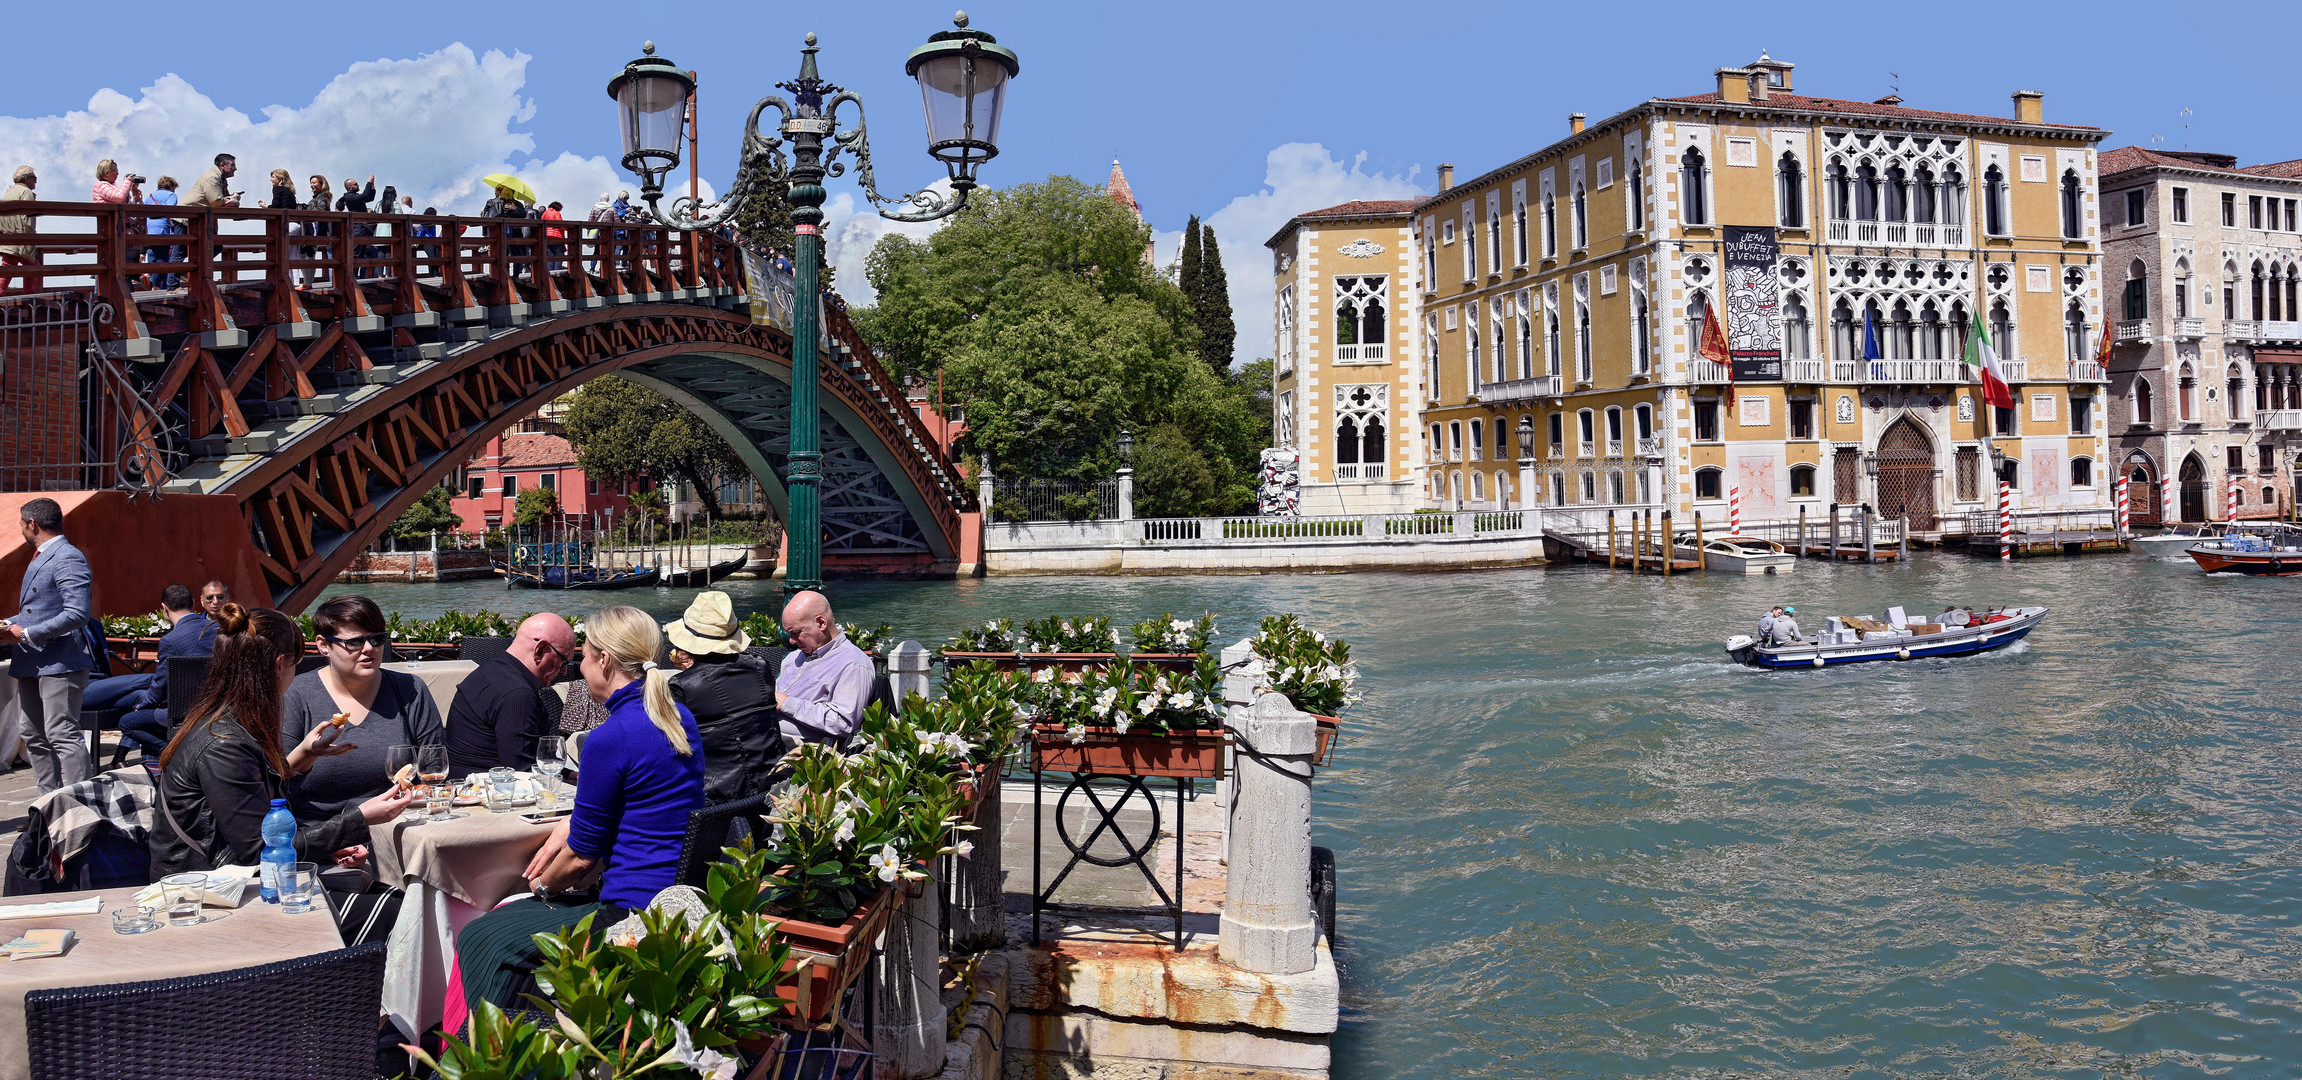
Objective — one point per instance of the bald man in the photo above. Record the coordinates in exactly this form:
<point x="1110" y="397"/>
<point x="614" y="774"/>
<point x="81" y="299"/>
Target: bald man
<point x="825" y="680"/>
<point x="496" y="718"/>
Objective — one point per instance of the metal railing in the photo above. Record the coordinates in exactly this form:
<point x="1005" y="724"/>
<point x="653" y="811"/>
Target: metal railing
<point x="70" y="417"/>
<point x="2030" y="523"/>
<point x="1054" y="500"/>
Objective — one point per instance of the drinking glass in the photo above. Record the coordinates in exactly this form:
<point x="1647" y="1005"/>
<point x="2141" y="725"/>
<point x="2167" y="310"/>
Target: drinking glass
<point x="547" y="790"/>
<point x="439" y="798"/>
<point x="133" y="919"/>
<point x="183" y="893"/>
<point x="397" y="759"/>
<point x="549" y="759"/>
<point x="299" y="887"/>
<point x="503" y="787"/>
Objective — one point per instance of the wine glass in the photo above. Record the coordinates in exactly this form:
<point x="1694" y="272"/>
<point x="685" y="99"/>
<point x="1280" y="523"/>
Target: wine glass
<point x="432" y="765"/>
<point x="549" y="761"/>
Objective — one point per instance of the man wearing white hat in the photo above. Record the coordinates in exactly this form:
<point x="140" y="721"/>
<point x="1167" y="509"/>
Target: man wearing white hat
<point x="731" y="693"/>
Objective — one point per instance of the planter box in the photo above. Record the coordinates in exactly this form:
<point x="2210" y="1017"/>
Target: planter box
<point x="832" y="956"/>
<point x="1329" y="727"/>
<point x="1067" y="663"/>
<point x="1195" y="753"/>
<point x="1184" y="660"/>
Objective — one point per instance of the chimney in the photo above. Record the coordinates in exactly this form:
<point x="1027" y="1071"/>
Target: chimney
<point x="1446" y="175"/>
<point x="1758" y="87"/>
<point x="1890" y="99"/>
<point x="2029" y="107"/>
<point x="1734" y="85"/>
<point x="1575" y="123"/>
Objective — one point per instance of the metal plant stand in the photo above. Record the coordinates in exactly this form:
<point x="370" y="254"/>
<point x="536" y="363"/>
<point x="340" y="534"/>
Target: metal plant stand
<point x="1136" y="855"/>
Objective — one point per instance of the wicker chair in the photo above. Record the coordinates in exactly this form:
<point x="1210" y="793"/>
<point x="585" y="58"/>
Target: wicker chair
<point x="310" y="1018"/>
<point x="707" y="831"/>
<point x="185" y="674"/>
<point x="484" y="648"/>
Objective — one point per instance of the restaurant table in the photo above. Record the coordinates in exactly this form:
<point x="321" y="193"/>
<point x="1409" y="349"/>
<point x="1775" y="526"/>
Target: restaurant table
<point x="254" y="933"/>
<point x="454" y="871"/>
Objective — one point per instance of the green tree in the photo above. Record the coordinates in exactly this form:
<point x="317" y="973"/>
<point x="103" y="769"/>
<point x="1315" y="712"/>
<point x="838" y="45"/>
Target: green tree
<point x="624" y="431"/>
<point x="1211" y="305"/>
<point x="534" y="505"/>
<point x="764" y="217"/>
<point x="431" y="513"/>
<point x="1189" y="267"/>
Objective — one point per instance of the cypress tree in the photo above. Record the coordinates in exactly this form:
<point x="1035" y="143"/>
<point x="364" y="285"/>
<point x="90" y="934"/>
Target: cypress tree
<point x="1212" y="303"/>
<point x="1187" y="272"/>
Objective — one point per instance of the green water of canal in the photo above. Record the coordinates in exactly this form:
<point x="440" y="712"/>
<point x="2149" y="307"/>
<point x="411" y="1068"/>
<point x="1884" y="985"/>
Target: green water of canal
<point x="1575" y="841"/>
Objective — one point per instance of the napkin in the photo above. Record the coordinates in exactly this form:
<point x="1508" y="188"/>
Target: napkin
<point x="93" y="905"/>
<point x="227" y="887"/>
<point x="34" y="944"/>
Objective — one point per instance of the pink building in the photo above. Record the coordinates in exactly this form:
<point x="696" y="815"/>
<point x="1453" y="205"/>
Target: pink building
<point x="490" y="483"/>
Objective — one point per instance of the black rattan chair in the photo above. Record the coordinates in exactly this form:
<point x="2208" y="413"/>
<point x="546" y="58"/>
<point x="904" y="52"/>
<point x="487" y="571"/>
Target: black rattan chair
<point x="310" y="1018"/>
<point x="484" y="648"/>
<point x="185" y="674"/>
<point x="93" y="724"/>
<point x="707" y="833"/>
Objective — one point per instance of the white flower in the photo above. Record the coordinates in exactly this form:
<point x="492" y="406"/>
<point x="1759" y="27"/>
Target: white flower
<point x="1183" y="700"/>
<point x="1105" y="700"/>
<point x="1043" y="675"/>
<point x="887" y="864"/>
<point x="1122" y="722"/>
<point x="708" y="1064"/>
<point x="1114" y="637"/>
<point x="965" y="848"/>
<point x="1147" y="704"/>
<point x="1077" y="731"/>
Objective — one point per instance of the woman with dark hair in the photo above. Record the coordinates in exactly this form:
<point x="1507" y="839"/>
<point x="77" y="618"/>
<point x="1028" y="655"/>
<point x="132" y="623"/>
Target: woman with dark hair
<point x="384" y="709"/>
<point x="227" y="760"/>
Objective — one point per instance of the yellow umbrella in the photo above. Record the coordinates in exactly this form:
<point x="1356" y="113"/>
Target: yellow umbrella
<point x="510" y="185"/>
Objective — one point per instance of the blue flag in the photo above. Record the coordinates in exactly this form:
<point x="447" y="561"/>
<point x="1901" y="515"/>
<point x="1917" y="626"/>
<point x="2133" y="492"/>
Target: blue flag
<point x="1870" y="350"/>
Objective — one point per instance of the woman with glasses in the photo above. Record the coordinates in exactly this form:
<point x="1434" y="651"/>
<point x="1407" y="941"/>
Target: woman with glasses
<point x="384" y="709"/>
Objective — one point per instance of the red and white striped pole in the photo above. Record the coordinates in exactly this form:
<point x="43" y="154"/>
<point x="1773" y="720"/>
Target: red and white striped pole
<point x="2124" y="521"/>
<point x="2005" y="522"/>
<point x="2169" y="511"/>
<point x="2232" y="501"/>
<point x="1734" y="511"/>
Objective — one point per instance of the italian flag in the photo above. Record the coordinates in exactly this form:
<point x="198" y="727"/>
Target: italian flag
<point x="1985" y="360"/>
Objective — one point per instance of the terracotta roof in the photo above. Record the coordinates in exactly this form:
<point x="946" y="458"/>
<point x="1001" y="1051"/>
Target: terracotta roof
<point x="1780" y="100"/>
<point x="1120" y="193"/>
<point x="1363" y="208"/>
<point x="2128" y="158"/>
<point x="2282" y="169"/>
<point x="535" y="450"/>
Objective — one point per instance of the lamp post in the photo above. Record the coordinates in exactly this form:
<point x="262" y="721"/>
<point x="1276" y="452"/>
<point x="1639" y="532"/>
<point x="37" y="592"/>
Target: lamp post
<point x="1126" y="475"/>
<point x="962" y="77"/>
<point x="1526" y="432"/>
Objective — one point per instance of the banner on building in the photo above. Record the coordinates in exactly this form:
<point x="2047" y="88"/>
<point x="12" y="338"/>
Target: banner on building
<point x="1753" y="304"/>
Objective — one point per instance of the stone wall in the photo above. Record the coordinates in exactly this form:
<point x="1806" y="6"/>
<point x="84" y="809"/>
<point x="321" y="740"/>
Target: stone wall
<point x="452" y="565"/>
<point x="1105" y="547"/>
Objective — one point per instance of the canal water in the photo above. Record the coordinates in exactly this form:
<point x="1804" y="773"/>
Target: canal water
<point x="1576" y="841"/>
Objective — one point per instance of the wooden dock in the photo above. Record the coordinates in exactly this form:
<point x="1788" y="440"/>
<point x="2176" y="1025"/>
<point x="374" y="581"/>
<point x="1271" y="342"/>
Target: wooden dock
<point x="1575" y="547"/>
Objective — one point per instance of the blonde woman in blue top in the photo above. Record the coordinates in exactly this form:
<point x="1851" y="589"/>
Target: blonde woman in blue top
<point x="642" y="775"/>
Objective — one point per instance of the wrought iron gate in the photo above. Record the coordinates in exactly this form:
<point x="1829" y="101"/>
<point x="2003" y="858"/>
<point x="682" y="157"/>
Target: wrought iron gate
<point x="70" y="417"/>
<point x="1906" y="476"/>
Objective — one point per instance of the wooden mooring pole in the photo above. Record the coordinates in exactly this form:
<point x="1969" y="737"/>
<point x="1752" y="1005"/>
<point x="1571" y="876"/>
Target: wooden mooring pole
<point x="1610" y="539"/>
<point x="1869" y="536"/>
<point x="1802" y="552"/>
<point x="1902" y="543"/>
<point x="1832" y="554"/>
<point x="1667" y="547"/>
<point x="1702" y="565"/>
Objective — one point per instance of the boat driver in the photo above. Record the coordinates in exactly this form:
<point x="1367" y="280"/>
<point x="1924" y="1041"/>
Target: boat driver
<point x="1786" y="626"/>
<point x="1766" y="625"/>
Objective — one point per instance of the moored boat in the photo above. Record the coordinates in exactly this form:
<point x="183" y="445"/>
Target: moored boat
<point x="1863" y="644"/>
<point x="575" y="578"/>
<point x="1734" y="554"/>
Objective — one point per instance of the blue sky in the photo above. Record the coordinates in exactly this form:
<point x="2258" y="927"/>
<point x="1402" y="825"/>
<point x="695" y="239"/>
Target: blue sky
<point x="1243" y="112"/>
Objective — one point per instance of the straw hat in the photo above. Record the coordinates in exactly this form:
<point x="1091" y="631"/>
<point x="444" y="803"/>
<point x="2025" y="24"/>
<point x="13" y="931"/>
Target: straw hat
<point x="708" y="626"/>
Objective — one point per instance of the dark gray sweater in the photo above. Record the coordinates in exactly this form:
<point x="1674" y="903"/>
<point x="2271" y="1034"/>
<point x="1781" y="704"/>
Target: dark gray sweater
<point x="403" y="715"/>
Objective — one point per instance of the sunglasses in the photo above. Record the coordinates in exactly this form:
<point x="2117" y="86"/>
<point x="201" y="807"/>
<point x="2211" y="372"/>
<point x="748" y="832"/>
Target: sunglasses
<point x="357" y="642"/>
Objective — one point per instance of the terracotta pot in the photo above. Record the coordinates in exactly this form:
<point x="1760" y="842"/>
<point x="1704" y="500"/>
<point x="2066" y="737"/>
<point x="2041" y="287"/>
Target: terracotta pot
<point x="1068" y="663"/>
<point x="1194" y="753"/>
<point x="833" y="956"/>
<point x="1329" y="727"/>
<point x="1166" y="659"/>
<point x="765" y="1052"/>
<point x="982" y="782"/>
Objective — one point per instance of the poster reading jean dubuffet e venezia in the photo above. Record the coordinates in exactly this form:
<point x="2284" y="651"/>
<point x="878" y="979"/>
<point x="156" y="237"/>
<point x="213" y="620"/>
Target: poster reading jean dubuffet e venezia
<point x="1753" y="303"/>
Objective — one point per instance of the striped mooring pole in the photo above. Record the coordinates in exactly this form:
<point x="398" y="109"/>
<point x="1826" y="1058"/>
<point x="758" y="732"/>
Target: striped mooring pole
<point x="2124" y="520"/>
<point x="2233" y="499"/>
<point x="2170" y="511"/>
<point x="2005" y="522"/>
<point x="1734" y="511"/>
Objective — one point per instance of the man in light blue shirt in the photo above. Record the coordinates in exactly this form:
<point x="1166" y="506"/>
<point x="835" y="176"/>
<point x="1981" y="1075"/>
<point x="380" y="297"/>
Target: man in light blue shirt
<point x="826" y="680"/>
<point x="163" y="195"/>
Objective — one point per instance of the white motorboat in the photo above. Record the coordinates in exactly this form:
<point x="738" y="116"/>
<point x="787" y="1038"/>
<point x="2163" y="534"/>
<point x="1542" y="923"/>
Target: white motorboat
<point x="1740" y="554"/>
<point x="1868" y="641"/>
<point x="2175" y="543"/>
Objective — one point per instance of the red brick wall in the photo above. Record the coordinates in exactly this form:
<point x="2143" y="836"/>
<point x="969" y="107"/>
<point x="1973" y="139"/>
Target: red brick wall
<point x="39" y="417"/>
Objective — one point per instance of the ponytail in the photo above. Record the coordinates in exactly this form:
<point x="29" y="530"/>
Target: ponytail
<point x="630" y="638"/>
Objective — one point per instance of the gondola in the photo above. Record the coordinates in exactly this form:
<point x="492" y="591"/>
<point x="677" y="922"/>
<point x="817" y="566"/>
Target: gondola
<point x="679" y="577"/>
<point x="575" y="578"/>
<point x="1851" y="646"/>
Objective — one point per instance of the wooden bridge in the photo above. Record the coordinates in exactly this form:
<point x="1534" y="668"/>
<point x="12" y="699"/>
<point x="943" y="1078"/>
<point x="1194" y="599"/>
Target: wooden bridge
<point x="325" y="368"/>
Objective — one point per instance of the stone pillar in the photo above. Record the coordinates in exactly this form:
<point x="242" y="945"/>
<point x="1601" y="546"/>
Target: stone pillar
<point x="909" y="1031"/>
<point x="1126" y="494"/>
<point x="978" y="915"/>
<point x="983" y="494"/>
<point x="1267" y="924"/>
<point x="1527" y="495"/>
<point x="1242" y="676"/>
<point x="907" y="671"/>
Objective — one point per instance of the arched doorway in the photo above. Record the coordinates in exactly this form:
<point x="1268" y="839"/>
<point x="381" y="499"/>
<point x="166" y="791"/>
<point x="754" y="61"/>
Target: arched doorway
<point x="2192" y="481"/>
<point x="2143" y="504"/>
<point x="1906" y="474"/>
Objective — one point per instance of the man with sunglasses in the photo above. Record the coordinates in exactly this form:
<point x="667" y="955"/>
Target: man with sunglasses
<point x="496" y="717"/>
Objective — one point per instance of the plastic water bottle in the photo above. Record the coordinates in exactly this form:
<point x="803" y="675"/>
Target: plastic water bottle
<point x="279" y="848"/>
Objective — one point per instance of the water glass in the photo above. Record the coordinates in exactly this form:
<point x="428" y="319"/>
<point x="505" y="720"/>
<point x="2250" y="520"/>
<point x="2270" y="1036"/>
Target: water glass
<point x="503" y="788"/>
<point x="547" y="791"/>
<point x="299" y="887"/>
<point x="133" y="919"/>
<point x="183" y="894"/>
<point x="549" y="756"/>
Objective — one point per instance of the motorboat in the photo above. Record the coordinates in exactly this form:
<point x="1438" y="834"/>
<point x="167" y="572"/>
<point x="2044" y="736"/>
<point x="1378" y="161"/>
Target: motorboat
<point x="1736" y="554"/>
<point x="1860" y="640"/>
<point x="2175" y="543"/>
<point x="2246" y="553"/>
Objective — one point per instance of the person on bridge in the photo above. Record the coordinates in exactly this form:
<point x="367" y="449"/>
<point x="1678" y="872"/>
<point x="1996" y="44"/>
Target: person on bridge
<point x="731" y="693"/>
<point x="52" y="659"/>
<point x="283" y="192"/>
<point x="24" y="180"/>
<point x="213" y="188"/>
<point x="356" y="200"/>
<point x="191" y="633"/>
<point x="109" y="188"/>
<point x="163" y="194"/>
<point x="496" y="718"/>
<point x="826" y="680"/>
<point x="322" y="199"/>
<point x="554" y="232"/>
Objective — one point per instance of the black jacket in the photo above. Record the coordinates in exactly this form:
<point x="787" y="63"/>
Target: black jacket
<point x="217" y="786"/>
<point x="357" y="202"/>
<point x="284" y="198"/>
<point x="733" y="699"/>
<point x="496" y="717"/>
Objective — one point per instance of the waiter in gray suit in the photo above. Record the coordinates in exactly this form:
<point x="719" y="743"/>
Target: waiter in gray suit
<point x="52" y="658"/>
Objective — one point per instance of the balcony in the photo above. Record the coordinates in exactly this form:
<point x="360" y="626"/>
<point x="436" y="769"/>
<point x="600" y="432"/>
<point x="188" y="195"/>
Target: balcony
<point x="1841" y="230"/>
<point x="1706" y="371"/>
<point x="1802" y="371"/>
<point x="2131" y="330"/>
<point x="2278" y="420"/>
<point x="1373" y="470"/>
<point x="2016" y="370"/>
<point x="2238" y="329"/>
<point x="1359" y="354"/>
<point x="1521" y="390"/>
<point x="1650" y="448"/>
<point x="1927" y="235"/>
<point x="2086" y="371"/>
<point x="1923" y="371"/>
<point x="2280" y="330"/>
<point x="1897" y="232"/>
<point x="2189" y="329"/>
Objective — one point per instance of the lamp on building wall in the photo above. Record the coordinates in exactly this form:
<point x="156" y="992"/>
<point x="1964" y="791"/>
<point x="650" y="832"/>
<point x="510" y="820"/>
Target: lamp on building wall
<point x="962" y="76"/>
<point x="1870" y="465"/>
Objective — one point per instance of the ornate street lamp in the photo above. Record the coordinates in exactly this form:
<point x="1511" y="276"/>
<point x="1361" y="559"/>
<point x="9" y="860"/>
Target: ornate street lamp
<point x="1126" y="449"/>
<point x="1526" y="438"/>
<point x="962" y="75"/>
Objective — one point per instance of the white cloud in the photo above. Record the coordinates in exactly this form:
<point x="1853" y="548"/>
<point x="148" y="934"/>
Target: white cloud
<point x="432" y="126"/>
<point x="1297" y="177"/>
<point x="851" y="225"/>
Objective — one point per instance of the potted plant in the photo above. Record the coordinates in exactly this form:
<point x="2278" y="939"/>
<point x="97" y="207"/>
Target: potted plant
<point x="1066" y="644"/>
<point x="1130" y="720"/>
<point x="1315" y="674"/>
<point x="1171" y="642"/>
